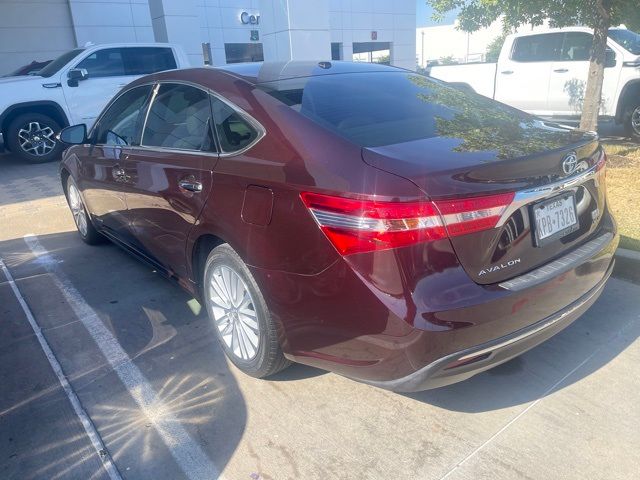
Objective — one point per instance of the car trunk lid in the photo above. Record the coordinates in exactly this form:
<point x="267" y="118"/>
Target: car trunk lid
<point x="535" y="160"/>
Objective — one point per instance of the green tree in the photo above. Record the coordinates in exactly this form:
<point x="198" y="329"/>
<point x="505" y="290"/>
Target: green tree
<point x="597" y="14"/>
<point x="449" y="60"/>
<point x="494" y="48"/>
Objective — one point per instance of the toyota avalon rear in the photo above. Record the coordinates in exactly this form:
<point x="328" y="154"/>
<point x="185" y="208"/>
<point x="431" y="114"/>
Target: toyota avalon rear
<point x="358" y="218"/>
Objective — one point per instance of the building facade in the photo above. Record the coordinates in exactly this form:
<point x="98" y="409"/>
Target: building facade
<point x="214" y="31"/>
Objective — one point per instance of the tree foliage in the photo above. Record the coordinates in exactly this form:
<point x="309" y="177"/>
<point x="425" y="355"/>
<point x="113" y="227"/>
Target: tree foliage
<point x="494" y="48"/>
<point x="477" y="14"/>
<point x="480" y="125"/>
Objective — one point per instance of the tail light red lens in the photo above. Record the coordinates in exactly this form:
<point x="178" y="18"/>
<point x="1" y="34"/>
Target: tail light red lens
<point x="473" y="214"/>
<point x="364" y="225"/>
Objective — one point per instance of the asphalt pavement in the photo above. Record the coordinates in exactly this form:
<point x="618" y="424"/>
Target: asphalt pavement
<point x="141" y="358"/>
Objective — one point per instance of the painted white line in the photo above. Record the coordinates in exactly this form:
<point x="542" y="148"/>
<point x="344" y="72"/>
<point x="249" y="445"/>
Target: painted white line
<point x="89" y="428"/>
<point x="194" y="463"/>
<point x="542" y="397"/>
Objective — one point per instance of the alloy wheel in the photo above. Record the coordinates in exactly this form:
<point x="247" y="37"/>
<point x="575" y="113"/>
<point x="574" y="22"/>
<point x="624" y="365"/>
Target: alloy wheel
<point x="234" y="312"/>
<point x="635" y="120"/>
<point x="77" y="209"/>
<point x="36" y="138"/>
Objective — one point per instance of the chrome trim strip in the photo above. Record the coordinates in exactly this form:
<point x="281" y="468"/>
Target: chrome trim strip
<point x="154" y="92"/>
<point x="340" y="220"/>
<point x="525" y="197"/>
<point x="544" y="325"/>
<point x="559" y="266"/>
<point x="149" y="148"/>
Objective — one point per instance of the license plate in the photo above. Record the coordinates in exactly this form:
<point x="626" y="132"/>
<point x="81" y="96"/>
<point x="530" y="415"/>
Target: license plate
<point x="555" y="218"/>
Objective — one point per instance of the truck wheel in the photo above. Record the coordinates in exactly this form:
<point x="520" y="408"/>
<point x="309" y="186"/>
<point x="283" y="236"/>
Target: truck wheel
<point x="632" y="122"/>
<point x="31" y="136"/>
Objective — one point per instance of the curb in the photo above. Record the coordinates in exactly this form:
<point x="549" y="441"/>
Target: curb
<point x="627" y="265"/>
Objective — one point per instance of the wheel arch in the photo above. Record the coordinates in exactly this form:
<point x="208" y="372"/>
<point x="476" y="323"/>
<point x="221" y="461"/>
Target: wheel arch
<point x="202" y="246"/>
<point x="630" y="90"/>
<point x="64" y="177"/>
<point x="44" y="107"/>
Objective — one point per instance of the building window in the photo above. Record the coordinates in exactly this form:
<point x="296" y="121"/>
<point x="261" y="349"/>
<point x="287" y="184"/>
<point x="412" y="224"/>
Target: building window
<point x="336" y="51"/>
<point x="243" y="52"/>
<point x="372" y="52"/>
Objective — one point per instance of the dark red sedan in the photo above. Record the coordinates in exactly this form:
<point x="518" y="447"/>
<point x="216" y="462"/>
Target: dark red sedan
<point x="359" y="218"/>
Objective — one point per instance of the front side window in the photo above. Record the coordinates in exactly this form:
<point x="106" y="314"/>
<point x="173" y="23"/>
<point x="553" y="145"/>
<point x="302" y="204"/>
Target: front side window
<point x="576" y="47"/>
<point x="179" y="118"/>
<point x="146" y="60"/>
<point x="121" y="123"/>
<point x="234" y="132"/>
<point x="104" y="63"/>
<point x="537" y="48"/>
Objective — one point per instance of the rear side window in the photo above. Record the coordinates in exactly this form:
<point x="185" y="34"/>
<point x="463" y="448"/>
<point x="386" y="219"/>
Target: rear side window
<point x="537" y="48"/>
<point x="104" y="63"/>
<point x="121" y="123"/>
<point x="179" y="118"/>
<point x="234" y="132"/>
<point x="146" y="60"/>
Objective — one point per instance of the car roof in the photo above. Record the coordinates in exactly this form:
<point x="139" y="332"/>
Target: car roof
<point x="265" y="72"/>
<point x="92" y="46"/>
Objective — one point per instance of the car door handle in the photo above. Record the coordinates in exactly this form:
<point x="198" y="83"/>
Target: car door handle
<point x="561" y="70"/>
<point x="507" y="72"/>
<point x="191" y="185"/>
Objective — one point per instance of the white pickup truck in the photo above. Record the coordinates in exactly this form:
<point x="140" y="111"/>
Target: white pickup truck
<point x="545" y="73"/>
<point x="72" y="89"/>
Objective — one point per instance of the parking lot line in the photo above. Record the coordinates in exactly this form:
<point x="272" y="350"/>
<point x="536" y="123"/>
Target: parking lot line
<point x="89" y="428"/>
<point x="194" y="463"/>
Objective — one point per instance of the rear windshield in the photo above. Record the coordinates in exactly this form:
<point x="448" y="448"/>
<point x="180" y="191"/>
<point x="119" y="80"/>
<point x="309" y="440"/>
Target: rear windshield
<point x="59" y="62"/>
<point x="627" y="39"/>
<point x="385" y="108"/>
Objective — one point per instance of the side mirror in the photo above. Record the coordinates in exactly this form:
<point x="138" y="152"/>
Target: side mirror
<point x="76" y="75"/>
<point x="73" y="135"/>
<point x="609" y="59"/>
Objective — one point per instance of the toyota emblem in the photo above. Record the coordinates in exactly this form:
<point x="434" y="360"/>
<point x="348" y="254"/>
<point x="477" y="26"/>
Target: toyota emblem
<point x="569" y="163"/>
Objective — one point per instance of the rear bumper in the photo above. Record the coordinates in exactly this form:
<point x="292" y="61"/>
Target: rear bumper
<point x="464" y="364"/>
<point x="384" y="330"/>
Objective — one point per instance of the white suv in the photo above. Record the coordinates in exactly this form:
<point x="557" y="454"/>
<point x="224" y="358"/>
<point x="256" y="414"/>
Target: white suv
<point x="73" y="89"/>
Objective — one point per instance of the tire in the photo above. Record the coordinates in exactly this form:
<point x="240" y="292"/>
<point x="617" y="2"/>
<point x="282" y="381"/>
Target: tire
<point x="86" y="229"/>
<point x="240" y="315"/>
<point x="632" y="122"/>
<point x="31" y="136"/>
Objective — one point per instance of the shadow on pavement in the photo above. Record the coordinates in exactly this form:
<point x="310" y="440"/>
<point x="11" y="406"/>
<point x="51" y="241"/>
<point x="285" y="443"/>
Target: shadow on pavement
<point x="167" y="339"/>
<point x="23" y="182"/>
<point x="585" y="347"/>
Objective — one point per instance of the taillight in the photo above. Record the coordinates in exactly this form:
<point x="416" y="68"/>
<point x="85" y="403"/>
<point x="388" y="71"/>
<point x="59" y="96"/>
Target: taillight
<point x="363" y="225"/>
<point x="473" y="214"/>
